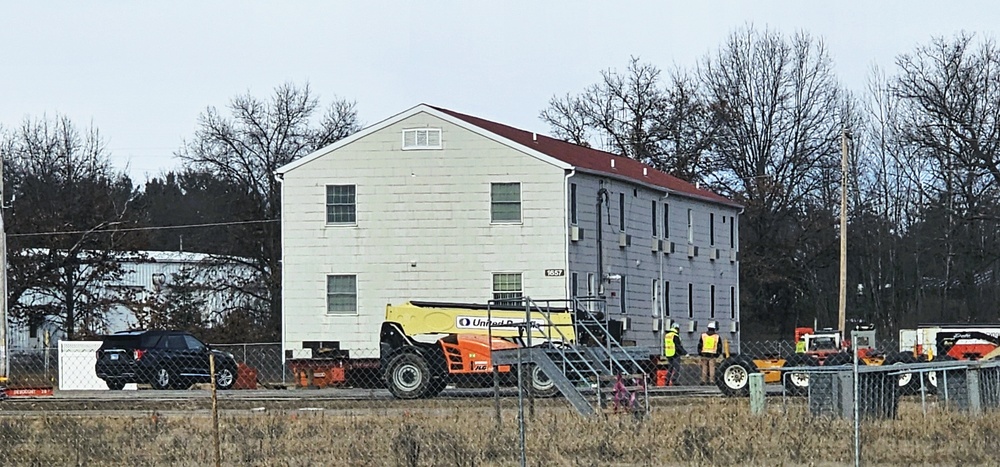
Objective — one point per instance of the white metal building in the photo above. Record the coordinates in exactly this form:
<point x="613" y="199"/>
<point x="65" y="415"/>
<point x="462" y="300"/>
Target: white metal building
<point x="145" y="272"/>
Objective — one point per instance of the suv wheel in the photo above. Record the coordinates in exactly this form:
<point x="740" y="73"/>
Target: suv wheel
<point x="162" y="379"/>
<point x="225" y="378"/>
<point x="115" y="385"/>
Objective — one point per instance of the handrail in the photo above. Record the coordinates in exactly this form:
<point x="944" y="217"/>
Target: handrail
<point x="530" y="324"/>
<point x="575" y="305"/>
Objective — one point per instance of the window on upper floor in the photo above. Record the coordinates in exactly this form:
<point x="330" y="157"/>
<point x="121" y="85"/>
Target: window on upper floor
<point x="341" y="204"/>
<point x="507" y="285"/>
<point x="732" y="233"/>
<point x="711" y="228"/>
<point x="653" y="219"/>
<point x="341" y="294"/>
<point x="621" y="212"/>
<point x="690" y="226"/>
<point x="505" y="203"/>
<point x="572" y="203"/>
<point x="666" y="220"/>
<point x="422" y="138"/>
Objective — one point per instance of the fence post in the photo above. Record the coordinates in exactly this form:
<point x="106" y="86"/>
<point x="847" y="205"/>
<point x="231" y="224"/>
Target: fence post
<point x="972" y="385"/>
<point x="215" y="410"/>
<point x="757" y="400"/>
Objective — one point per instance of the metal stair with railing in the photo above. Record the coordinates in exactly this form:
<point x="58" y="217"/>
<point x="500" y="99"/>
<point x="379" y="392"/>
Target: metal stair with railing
<point x="583" y="368"/>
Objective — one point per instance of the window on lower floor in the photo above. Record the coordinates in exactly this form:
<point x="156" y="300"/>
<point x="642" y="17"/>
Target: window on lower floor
<point x="732" y="303"/>
<point x="341" y="204"/>
<point x="624" y="294"/>
<point x="666" y="298"/>
<point x="712" y="301"/>
<point x="507" y="285"/>
<point x="654" y="290"/>
<point x="690" y="300"/>
<point x="341" y="294"/>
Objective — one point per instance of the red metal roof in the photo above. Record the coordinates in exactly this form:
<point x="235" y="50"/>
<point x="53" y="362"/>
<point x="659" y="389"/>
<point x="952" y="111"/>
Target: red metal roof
<point x="592" y="159"/>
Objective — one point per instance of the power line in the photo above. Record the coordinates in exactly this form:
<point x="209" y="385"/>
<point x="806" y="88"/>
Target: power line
<point x="137" y="229"/>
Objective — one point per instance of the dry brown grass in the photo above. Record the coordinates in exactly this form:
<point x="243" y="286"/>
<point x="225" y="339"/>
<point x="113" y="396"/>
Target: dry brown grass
<point x="464" y="433"/>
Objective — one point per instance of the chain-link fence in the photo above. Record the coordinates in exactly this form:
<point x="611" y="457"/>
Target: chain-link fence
<point x="150" y="402"/>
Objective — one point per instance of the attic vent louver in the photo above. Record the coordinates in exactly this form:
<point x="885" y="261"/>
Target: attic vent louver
<point x="422" y="138"/>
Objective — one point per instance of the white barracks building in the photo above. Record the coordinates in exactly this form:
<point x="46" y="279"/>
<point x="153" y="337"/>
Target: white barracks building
<point x="434" y="205"/>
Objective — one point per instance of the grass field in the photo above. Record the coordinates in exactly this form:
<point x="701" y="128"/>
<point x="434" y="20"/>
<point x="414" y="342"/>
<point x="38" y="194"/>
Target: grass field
<point x="465" y="433"/>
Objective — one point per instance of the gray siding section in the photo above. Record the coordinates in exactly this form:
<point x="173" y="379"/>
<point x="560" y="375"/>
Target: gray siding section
<point x="640" y="266"/>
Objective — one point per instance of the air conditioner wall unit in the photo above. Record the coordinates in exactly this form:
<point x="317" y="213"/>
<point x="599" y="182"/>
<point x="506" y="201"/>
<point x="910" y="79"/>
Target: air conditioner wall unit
<point x="624" y="240"/>
<point x="626" y="323"/>
<point x="713" y="254"/>
<point x="734" y="327"/>
<point x="655" y="245"/>
<point x="692" y="251"/>
<point x="574" y="234"/>
<point x="657" y="325"/>
<point x="669" y="247"/>
<point x="692" y="326"/>
<point x="733" y="256"/>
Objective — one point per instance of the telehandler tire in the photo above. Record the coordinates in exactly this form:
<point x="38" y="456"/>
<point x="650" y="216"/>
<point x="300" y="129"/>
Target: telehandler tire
<point x="408" y="376"/>
<point x="540" y="384"/>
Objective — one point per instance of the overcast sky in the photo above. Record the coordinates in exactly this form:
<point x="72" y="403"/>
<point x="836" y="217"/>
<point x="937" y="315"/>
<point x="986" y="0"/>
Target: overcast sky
<point x="141" y="72"/>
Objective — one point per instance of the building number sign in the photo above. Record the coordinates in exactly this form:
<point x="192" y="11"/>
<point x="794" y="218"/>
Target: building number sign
<point x="555" y="272"/>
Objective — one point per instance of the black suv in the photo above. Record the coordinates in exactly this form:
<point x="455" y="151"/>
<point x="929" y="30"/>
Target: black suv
<point x="164" y="359"/>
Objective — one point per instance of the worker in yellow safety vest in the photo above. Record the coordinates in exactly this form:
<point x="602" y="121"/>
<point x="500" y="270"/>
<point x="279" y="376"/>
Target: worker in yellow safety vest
<point x="800" y="346"/>
<point x="709" y="348"/>
<point x="673" y="350"/>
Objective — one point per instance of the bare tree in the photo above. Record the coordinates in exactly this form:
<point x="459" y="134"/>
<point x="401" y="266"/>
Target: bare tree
<point x="244" y="149"/>
<point x="637" y="116"/>
<point x="950" y="114"/>
<point x="779" y="111"/>
<point x="66" y="203"/>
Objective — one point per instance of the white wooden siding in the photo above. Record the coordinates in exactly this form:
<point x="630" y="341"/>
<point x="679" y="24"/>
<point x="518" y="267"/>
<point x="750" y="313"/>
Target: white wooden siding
<point x="430" y="208"/>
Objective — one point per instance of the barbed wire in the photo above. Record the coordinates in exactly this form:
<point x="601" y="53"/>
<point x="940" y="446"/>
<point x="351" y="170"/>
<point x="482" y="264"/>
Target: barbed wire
<point x="137" y="229"/>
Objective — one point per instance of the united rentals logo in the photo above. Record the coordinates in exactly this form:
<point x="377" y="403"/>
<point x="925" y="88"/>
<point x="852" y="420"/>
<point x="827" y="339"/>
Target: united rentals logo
<point x="473" y="322"/>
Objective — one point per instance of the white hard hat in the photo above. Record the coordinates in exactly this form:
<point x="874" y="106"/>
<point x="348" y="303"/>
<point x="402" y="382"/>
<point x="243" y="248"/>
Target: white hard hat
<point x="675" y="326"/>
<point x="711" y="326"/>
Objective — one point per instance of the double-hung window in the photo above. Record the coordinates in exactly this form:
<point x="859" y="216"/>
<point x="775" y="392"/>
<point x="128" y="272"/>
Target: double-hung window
<point x="341" y="204"/>
<point x="507" y="285"/>
<point x="341" y="294"/>
<point x="505" y="203"/>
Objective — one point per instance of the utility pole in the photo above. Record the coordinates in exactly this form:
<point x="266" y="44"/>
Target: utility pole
<point x="842" y="323"/>
<point x="4" y="358"/>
